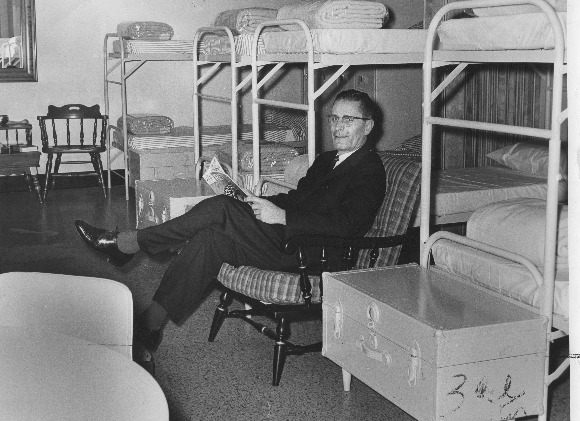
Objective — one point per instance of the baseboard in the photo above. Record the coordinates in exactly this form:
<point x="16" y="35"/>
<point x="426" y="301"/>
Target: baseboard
<point x="17" y="183"/>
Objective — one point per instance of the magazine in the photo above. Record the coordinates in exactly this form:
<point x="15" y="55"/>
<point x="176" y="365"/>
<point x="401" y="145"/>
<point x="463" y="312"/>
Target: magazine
<point x="220" y="182"/>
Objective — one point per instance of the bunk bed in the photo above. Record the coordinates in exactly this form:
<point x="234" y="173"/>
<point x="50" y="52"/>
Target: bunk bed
<point x="321" y="48"/>
<point x="219" y="52"/>
<point x="501" y="263"/>
<point x="129" y="55"/>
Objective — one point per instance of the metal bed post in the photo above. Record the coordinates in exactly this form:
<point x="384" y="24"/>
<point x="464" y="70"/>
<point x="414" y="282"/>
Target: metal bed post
<point x="106" y="97"/>
<point x="124" y="77"/>
<point x="256" y="101"/>
<point x="195" y="98"/>
<point x="234" y="92"/>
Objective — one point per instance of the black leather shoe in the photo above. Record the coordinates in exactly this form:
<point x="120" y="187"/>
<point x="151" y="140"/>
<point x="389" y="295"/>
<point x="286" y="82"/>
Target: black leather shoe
<point x="149" y="339"/>
<point x="104" y="242"/>
<point x="145" y="343"/>
<point x="144" y="358"/>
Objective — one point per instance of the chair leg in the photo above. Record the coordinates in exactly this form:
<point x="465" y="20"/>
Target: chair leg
<point x="280" y="348"/>
<point x="221" y="312"/>
<point x="56" y="169"/>
<point x="47" y="175"/>
<point x="98" y="166"/>
<point x="36" y="185"/>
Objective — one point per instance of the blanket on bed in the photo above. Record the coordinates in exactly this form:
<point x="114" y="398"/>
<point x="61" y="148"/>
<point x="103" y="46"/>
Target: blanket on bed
<point x="331" y="14"/>
<point x="274" y="157"/>
<point x="558" y="5"/>
<point x="244" y="21"/>
<point x="518" y="225"/>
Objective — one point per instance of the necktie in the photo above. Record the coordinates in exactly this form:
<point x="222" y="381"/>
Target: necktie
<point x="335" y="161"/>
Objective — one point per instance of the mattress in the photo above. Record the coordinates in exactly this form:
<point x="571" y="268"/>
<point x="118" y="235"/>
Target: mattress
<point x="458" y="192"/>
<point x="326" y="41"/>
<point x="154" y="47"/>
<point x="500" y="275"/>
<point x="348" y="41"/>
<point x="220" y="44"/>
<point x="530" y="31"/>
<point x="211" y="136"/>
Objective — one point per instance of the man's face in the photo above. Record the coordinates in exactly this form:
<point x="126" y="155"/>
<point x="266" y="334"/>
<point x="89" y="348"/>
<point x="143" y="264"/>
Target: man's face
<point x="349" y="137"/>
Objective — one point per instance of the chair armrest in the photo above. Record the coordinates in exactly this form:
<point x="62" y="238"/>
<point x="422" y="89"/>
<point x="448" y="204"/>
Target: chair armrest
<point x="264" y="180"/>
<point x="291" y="245"/>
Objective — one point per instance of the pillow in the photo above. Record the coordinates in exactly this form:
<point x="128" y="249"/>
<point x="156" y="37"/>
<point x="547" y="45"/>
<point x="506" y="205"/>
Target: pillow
<point x="529" y="157"/>
<point x="558" y="5"/>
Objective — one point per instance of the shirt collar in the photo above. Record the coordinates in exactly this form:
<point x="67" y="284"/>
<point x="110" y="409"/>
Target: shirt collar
<point x="342" y="157"/>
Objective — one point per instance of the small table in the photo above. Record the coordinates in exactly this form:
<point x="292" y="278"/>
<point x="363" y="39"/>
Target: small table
<point x="15" y="161"/>
<point x="58" y="377"/>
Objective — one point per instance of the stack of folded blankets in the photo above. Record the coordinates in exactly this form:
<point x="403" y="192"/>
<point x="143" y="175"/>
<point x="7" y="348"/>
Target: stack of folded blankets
<point x="147" y="124"/>
<point x="336" y="14"/>
<point x="323" y="14"/>
<point x="149" y="131"/>
<point x="145" y="30"/>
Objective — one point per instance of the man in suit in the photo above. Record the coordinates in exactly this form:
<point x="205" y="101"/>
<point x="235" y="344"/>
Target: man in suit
<point x="339" y="195"/>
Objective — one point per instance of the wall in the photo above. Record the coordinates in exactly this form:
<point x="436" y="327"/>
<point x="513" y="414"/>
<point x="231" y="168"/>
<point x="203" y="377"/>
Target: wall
<point x="70" y="36"/>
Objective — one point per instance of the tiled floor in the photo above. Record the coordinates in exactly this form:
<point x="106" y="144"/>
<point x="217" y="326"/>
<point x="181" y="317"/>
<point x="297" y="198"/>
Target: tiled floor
<point x="228" y="379"/>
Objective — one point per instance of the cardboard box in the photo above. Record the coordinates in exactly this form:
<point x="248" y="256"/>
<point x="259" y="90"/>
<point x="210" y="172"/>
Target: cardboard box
<point x="161" y="164"/>
<point x="437" y="347"/>
<point x="158" y="201"/>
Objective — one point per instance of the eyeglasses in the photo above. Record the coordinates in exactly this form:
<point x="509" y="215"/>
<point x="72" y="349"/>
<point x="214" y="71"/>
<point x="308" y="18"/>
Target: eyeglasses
<point x="347" y="120"/>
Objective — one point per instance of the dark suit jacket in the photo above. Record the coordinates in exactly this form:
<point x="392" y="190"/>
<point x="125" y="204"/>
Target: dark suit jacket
<point x="341" y="201"/>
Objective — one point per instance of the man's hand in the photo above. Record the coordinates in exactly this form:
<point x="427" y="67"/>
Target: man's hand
<point x="265" y="210"/>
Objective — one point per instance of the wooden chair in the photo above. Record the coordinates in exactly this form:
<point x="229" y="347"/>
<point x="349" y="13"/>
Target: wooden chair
<point x="89" y="138"/>
<point x="287" y="297"/>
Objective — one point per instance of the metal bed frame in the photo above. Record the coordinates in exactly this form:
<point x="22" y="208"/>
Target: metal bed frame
<point x="462" y="59"/>
<point x="128" y="64"/>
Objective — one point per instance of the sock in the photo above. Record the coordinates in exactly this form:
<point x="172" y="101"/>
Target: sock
<point x="154" y="317"/>
<point x="127" y="242"/>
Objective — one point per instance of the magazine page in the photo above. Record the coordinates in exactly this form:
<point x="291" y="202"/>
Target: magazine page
<point x="220" y="182"/>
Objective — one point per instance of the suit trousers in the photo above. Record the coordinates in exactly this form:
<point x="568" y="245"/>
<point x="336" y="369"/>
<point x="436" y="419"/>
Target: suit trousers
<point x="217" y="230"/>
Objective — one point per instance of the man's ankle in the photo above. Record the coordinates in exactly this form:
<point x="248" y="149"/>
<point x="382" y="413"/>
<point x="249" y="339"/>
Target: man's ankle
<point x="127" y="242"/>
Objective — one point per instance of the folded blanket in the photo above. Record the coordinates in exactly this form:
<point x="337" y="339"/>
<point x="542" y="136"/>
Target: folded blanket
<point x="329" y="14"/>
<point x="216" y="44"/>
<point x="147" y="124"/>
<point x="245" y="21"/>
<point x="274" y="157"/>
<point x="518" y="225"/>
<point x="145" y="30"/>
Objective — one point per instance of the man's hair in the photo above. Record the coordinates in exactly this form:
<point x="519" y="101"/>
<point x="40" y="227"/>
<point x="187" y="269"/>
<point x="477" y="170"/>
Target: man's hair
<point x="366" y="104"/>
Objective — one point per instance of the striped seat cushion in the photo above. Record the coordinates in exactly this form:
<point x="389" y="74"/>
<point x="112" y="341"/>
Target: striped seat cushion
<point x="266" y="285"/>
